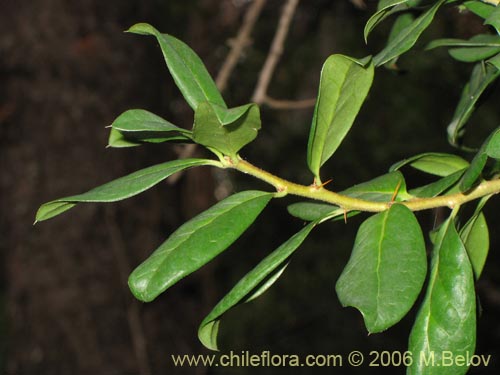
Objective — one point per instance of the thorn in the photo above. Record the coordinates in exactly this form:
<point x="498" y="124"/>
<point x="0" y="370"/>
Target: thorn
<point x="396" y="191"/>
<point x="345" y="216"/>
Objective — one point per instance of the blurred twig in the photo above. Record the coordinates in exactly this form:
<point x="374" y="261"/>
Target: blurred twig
<point x="239" y="43"/>
<point x="275" y="52"/>
<point x="289" y="104"/>
<point x="133" y="313"/>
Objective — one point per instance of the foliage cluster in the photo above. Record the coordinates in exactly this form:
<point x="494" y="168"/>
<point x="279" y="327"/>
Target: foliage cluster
<point x="389" y="265"/>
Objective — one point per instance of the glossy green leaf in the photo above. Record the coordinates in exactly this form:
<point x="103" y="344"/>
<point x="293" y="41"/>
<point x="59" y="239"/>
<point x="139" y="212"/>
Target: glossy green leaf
<point x="122" y="188"/>
<point x="386" y="270"/>
<point x="252" y="284"/>
<point x="481" y="9"/>
<point x="196" y="242"/>
<point x="229" y="138"/>
<point x="447" y="318"/>
<point x="407" y="38"/>
<point x="438" y="164"/>
<point x="186" y="68"/>
<point x="475" y="236"/>
<point x="380" y="189"/>
<point x="494" y="19"/>
<point x="343" y="87"/>
<point x="141" y="125"/>
<point x="437" y="187"/>
<point x="482" y="76"/>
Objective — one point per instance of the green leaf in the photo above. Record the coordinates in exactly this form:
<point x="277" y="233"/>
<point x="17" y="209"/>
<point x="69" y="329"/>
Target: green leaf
<point x="230" y="116"/>
<point x="386" y="270"/>
<point x="122" y="188"/>
<point x="495" y="61"/>
<point x="343" y="87"/>
<point x="386" y="8"/>
<point x="480" y="9"/>
<point x="229" y="138"/>
<point x="438" y="164"/>
<point x="437" y="187"/>
<point x="477" y="48"/>
<point x="494" y="19"/>
<point x="493" y="145"/>
<point x="407" y="38"/>
<point x="470" y="55"/>
<point x="472" y="174"/>
<point x="310" y="211"/>
<point x="186" y="68"/>
<point x="476" y="239"/>
<point x="118" y="140"/>
<point x="447" y="318"/>
<point x="482" y="76"/>
<point x="255" y="282"/>
<point x="402" y="22"/>
<point x="141" y="125"/>
<point x="196" y="242"/>
<point x="480" y="40"/>
<point x="380" y="189"/>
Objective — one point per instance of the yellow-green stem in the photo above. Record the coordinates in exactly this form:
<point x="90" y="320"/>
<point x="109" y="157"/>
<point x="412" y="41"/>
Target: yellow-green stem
<point x="348" y="203"/>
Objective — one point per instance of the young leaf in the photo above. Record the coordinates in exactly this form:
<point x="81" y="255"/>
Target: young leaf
<point x="438" y="164"/>
<point x="386" y="270"/>
<point x="344" y="85"/>
<point x="252" y="284"/>
<point x="476" y="239"/>
<point x="390" y="186"/>
<point x="122" y="188"/>
<point x="482" y="76"/>
<point x="225" y="138"/>
<point x="447" y="318"/>
<point x="141" y="125"/>
<point x="437" y="187"/>
<point x="196" y="242"/>
<point x="186" y="68"/>
<point x="407" y="37"/>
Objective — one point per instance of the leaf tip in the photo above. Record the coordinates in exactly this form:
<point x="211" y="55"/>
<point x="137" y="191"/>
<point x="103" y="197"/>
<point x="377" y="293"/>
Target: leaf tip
<point x="207" y="334"/>
<point x="139" y="288"/>
<point x="141" y="29"/>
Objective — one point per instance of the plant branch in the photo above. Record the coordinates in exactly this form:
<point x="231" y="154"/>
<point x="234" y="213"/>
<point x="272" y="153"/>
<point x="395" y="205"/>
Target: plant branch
<point x="275" y="53"/>
<point x="289" y="104"/>
<point x="239" y="43"/>
<point x="347" y="203"/>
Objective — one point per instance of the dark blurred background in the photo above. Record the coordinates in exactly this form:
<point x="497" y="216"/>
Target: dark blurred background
<point x="67" y="70"/>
